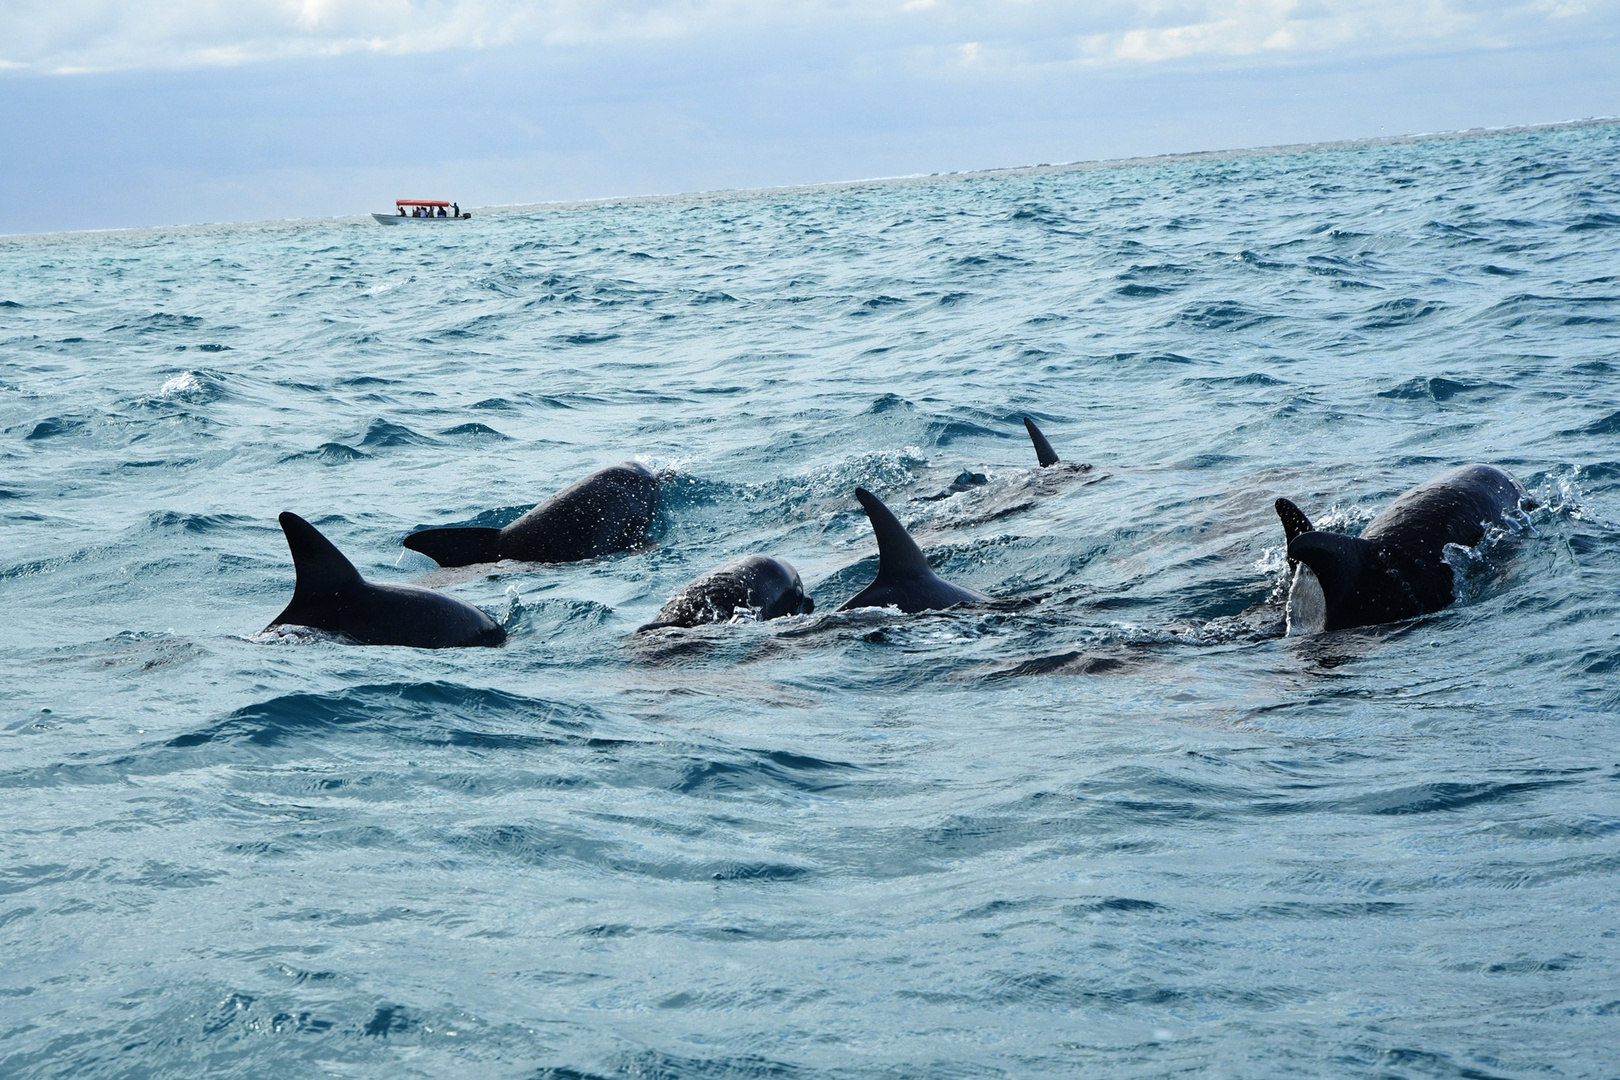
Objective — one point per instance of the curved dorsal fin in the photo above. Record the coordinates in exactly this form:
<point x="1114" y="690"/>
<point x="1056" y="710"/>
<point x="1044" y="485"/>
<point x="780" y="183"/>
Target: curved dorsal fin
<point x="899" y="557"/>
<point x="1043" y="449"/>
<point x="457" y="547"/>
<point x="322" y="569"/>
<point x="1294" y="521"/>
<point x="1337" y="561"/>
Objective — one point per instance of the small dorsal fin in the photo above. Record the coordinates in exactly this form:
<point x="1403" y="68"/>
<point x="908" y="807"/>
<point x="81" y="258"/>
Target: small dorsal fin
<point x="1043" y="449"/>
<point x="1294" y="521"/>
<point x="899" y="557"/>
<point x="322" y="569"/>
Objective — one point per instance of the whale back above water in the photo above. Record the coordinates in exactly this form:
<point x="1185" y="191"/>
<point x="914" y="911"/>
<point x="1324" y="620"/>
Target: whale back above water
<point x="756" y="584"/>
<point x="330" y="595"/>
<point x="1396" y="568"/>
<point x="608" y="511"/>
<point x="904" y="579"/>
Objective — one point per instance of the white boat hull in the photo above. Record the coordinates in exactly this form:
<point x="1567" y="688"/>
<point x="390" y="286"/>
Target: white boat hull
<point x="395" y="219"/>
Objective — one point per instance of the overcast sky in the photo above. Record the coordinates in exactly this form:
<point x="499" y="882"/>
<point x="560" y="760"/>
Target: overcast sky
<point x="115" y="113"/>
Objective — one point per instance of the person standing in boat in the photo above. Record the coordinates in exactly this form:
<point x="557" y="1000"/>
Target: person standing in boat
<point x="457" y="207"/>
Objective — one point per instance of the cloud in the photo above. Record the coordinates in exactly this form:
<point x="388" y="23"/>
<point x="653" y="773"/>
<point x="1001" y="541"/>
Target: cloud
<point x="1250" y="27"/>
<point x="86" y="35"/>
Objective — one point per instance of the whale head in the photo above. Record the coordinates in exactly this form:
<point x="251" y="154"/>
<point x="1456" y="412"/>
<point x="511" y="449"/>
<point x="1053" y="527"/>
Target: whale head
<point x="774" y="587"/>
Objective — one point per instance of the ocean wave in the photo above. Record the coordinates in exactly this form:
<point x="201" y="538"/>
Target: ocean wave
<point x="423" y="714"/>
<point x="1115" y="810"/>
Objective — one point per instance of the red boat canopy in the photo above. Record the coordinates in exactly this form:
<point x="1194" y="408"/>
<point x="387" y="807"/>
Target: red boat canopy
<point x="420" y="202"/>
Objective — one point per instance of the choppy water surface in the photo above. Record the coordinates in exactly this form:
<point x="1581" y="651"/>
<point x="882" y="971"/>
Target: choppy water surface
<point x="1123" y="828"/>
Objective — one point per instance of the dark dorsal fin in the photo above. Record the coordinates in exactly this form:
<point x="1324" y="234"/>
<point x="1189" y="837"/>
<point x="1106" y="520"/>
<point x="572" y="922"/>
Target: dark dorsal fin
<point x="1043" y="449"/>
<point x="1294" y="521"/>
<point x="323" y="572"/>
<point x="457" y="547"/>
<point x="1337" y="561"/>
<point x="899" y="557"/>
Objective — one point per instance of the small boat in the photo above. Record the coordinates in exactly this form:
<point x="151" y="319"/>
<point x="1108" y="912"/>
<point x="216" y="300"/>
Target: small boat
<point x="421" y="211"/>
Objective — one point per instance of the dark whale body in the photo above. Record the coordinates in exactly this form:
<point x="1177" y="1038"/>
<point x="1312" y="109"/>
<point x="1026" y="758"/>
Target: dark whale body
<point x="768" y="588"/>
<point x="608" y="511"/>
<point x="904" y="579"/>
<point x="331" y="595"/>
<point x="1396" y="568"/>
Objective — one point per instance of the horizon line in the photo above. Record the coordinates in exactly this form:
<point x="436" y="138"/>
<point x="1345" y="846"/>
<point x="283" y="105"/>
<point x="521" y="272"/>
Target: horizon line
<point x="1084" y="165"/>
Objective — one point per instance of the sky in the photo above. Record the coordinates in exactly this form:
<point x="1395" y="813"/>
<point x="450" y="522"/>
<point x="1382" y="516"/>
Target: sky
<point x="116" y="114"/>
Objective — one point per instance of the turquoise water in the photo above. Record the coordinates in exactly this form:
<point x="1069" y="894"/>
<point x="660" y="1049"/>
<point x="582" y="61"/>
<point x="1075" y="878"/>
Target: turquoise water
<point x="1117" y="825"/>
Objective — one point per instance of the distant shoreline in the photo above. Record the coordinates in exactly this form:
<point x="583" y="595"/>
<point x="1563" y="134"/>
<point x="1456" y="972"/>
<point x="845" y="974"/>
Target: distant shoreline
<point x="719" y="194"/>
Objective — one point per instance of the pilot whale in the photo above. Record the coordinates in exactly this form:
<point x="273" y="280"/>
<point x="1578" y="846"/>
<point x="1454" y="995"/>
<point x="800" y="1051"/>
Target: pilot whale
<point x="763" y="587"/>
<point x="331" y="595"/>
<point x="1396" y="568"/>
<point x="607" y="511"/>
<point x="904" y="579"/>
<point x="1045" y="456"/>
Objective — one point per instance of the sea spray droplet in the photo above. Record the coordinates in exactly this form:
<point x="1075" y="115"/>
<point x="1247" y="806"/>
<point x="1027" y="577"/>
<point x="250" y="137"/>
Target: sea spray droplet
<point x="184" y="383"/>
<point x="514" y="608"/>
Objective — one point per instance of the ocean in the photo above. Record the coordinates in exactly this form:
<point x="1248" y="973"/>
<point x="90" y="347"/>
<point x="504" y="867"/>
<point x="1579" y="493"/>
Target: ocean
<point x="1116" y="824"/>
